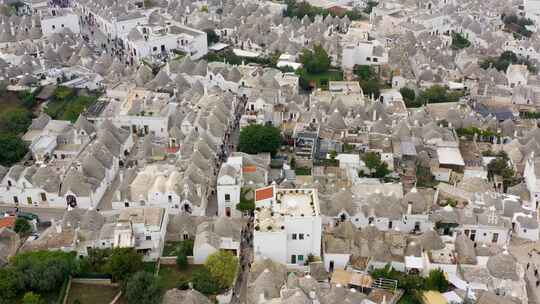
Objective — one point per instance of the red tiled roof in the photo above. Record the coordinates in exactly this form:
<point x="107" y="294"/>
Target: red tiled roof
<point x="264" y="193"/>
<point x="8" y="221"/>
<point x="249" y="169"/>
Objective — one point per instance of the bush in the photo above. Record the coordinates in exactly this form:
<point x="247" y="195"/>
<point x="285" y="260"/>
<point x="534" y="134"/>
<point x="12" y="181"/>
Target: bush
<point x="123" y="262"/>
<point x="15" y="121"/>
<point x="44" y="271"/>
<point x="204" y="282"/>
<point x="142" y="288"/>
<point x="183" y="283"/>
<point x="11" y="284"/>
<point x="32" y="298"/>
<point x="223" y="266"/>
<point x="13" y="149"/>
<point x="436" y="281"/>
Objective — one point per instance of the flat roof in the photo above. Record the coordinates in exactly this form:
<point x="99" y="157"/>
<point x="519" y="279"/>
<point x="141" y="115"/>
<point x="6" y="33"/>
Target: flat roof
<point x="450" y="156"/>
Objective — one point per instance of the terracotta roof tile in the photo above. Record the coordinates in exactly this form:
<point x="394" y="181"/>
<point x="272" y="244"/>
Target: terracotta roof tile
<point x="249" y="169"/>
<point x="8" y="221"/>
<point x="264" y="193"/>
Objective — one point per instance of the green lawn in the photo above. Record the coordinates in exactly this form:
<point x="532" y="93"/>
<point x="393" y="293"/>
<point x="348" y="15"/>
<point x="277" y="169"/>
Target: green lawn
<point x="91" y="293"/>
<point x="67" y="104"/>
<point x="321" y="80"/>
<point x="174" y="248"/>
<point x="170" y="276"/>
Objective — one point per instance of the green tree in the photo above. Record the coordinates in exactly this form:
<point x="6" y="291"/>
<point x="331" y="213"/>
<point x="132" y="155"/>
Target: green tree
<point x="96" y="260"/>
<point x="408" y="95"/>
<point x="22" y="227"/>
<point x="44" y="271"/>
<point x="204" y="282"/>
<point x="459" y="41"/>
<point x="258" y="138"/>
<point x="211" y="36"/>
<point x="11" y="284"/>
<point x="142" y="288"/>
<point x="370" y="5"/>
<point x="15" y="120"/>
<point x="364" y="72"/>
<point x="316" y="61"/>
<point x="32" y="298"/>
<point x="124" y="262"/>
<point x="245" y="204"/>
<point x="222" y="266"/>
<point x="182" y="261"/>
<point x="436" y="281"/>
<point x="438" y="94"/>
<point x="13" y="149"/>
<point x="371" y="87"/>
<point x="378" y="168"/>
<point x="28" y="99"/>
<point x="186" y="247"/>
<point x="381" y="170"/>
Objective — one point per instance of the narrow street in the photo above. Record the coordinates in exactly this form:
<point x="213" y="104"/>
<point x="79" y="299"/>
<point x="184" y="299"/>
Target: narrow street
<point x="246" y="258"/>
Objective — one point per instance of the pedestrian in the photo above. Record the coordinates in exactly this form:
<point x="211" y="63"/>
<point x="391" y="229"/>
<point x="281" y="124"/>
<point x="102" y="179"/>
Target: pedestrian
<point x="535" y="271"/>
<point x="528" y="265"/>
<point x="537" y="283"/>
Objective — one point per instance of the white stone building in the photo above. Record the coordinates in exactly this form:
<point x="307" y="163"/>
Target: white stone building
<point x="219" y="234"/>
<point x="56" y="20"/>
<point x="288" y="225"/>
<point x="240" y="173"/>
<point x="139" y="110"/>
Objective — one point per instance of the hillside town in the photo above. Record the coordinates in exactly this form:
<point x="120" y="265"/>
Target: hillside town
<point x="269" y="151"/>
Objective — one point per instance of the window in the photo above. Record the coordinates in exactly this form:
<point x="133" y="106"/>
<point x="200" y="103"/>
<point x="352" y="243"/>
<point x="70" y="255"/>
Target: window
<point x="389" y="224"/>
<point x="126" y="204"/>
<point x="43" y="197"/>
<point x="293" y="259"/>
<point x="62" y="25"/>
<point x="294" y="236"/>
<point x="148" y="237"/>
<point x="54" y="26"/>
<point x="227" y="197"/>
<point x="169" y="198"/>
<point x="495" y="238"/>
<point x="9" y="183"/>
<point x="185" y="236"/>
<point x="15" y="200"/>
<point x="375" y="59"/>
<point x="300" y="258"/>
<point x="301" y="236"/>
